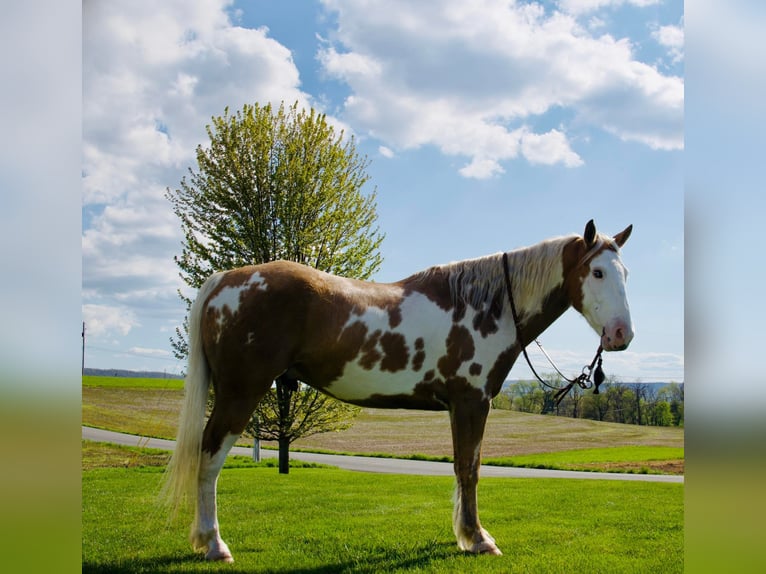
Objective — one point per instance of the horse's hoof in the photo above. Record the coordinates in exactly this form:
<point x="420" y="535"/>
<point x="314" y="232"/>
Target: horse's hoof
<point x="217" y="556"/>
<point x="486" y="547"/>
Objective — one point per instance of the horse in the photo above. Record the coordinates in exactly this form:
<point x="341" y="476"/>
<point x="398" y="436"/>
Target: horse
<point x="441" y="339"/>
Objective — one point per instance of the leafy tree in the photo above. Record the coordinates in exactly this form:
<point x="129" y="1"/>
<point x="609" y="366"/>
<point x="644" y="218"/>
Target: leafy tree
<point x="660" y="414"/>
<point x="619" y="398"/>
<point x="285" y="415"/>
<point x="640" y="396"/>
<point x="275" y="184"/>
<point x="597" y="407"/>
<point x="673" y="393"/>
<point x="529" y="397"/>
<point x="503" y="400"/>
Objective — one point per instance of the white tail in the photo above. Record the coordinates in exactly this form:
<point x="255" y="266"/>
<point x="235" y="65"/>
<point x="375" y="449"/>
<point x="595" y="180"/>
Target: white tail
<point x="182" y="473"/>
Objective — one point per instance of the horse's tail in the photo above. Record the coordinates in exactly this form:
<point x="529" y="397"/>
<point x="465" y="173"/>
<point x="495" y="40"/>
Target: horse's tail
<point x="182" y="473"/>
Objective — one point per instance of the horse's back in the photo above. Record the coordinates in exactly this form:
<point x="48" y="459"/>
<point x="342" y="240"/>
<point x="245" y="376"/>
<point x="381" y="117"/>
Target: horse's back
<point x="285" y="311"/>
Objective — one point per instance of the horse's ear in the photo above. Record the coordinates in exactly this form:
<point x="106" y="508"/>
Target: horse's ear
<point x="623" y="235"/>
<point x="590" y="233"/>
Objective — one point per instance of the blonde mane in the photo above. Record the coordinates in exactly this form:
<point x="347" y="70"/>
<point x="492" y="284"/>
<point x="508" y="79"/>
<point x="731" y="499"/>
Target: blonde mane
<point x="535" y="271"/>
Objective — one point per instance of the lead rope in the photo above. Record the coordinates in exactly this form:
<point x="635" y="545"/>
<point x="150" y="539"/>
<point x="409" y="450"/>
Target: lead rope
<point x="582" y="380"/>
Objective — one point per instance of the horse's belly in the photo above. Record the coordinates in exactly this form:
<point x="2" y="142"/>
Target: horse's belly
<point x="358" y="384"/>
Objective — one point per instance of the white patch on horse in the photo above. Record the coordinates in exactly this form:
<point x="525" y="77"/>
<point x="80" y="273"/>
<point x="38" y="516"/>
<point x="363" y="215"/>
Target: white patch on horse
<point x="231" y="297"/>
<point x="421" y="319"/>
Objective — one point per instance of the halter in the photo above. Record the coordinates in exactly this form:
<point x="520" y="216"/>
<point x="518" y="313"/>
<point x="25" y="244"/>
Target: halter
<point x="583" y="380"/>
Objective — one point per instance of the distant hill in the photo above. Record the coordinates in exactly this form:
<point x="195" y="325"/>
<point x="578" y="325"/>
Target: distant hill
<point x="132" y="374"/>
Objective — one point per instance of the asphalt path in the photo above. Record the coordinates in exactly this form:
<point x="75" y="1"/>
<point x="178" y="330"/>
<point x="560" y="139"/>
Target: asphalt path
<point x="385" y="465"/>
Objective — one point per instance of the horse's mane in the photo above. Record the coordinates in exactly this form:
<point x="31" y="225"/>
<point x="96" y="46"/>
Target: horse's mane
<point x="535" y="270"/>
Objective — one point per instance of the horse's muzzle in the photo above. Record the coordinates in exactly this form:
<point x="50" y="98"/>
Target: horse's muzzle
<point x="616" y="336"/>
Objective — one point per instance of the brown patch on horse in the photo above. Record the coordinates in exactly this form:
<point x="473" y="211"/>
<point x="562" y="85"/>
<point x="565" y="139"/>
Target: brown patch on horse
<point x="434" y="284"/>
<point x="475" y="369"/>
<point x="432" y="394"/>
<point x="500" y="369"/>
<point x="486" y="320"/>
<point x="460" y="348"/>
<point x="420" y="355"/>
<point x="395" y="352"/>
<point x="370" y="354"/>
<point x="428" y="396"/>
<point x="394" y="316"/>
<point x="575" y="270"/>
<point x="346" y="349"/>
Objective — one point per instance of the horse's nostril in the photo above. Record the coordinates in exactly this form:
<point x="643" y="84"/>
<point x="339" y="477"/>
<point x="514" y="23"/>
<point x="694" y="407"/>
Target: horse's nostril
<point x="619" y="335"/>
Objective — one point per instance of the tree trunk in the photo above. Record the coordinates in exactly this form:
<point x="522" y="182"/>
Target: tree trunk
<point x="284" y="393"/>
<point x="284" y="455"/>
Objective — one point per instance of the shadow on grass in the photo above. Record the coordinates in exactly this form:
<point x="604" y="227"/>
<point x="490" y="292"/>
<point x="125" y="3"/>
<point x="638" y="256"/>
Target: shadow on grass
<point x="377" y="560"/>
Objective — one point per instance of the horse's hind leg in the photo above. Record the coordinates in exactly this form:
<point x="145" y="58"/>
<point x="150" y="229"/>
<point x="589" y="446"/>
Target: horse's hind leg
<point x="227" y="421"/>
<point x="205" y="533"/>
<point x="468" y="418"/>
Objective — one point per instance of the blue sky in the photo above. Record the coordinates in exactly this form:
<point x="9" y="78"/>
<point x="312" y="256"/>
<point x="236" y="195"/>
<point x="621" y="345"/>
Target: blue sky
<point x="489" y="125"/>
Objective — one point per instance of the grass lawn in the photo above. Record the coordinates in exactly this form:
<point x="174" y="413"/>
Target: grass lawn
<point x="131" y="382"/>
<point x="638" y="459"/>
<point x="328" y="520"/>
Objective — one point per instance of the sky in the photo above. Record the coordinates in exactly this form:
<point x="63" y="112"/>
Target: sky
<point x="489" y="125"/>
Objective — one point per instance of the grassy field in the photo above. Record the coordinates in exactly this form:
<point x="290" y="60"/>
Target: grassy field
<point x="131" y="382"/>
<point x="150" y="407"/>
<point x="329" y="520"/>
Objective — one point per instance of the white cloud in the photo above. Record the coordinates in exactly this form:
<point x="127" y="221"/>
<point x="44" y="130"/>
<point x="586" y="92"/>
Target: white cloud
<point x="585" y="6"/>
<point x="547" y="148"/>
<point x="103" y="320"/>
<point x="474" y="79"/>
<point x="386" y="152"/>
<point x="153" y="76"/>
<point x="146" y="352"/>
<point x="672" y="38"/>
<point x="481" y="168"/>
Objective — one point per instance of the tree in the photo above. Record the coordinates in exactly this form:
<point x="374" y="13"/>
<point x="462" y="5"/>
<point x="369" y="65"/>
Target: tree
<point x="503" y="400"/>
<point x="660" y="415"/>
<point x="275" y="184"/>
<point x="529" y="396"/>
<point x="597" y="407"/>
<point x="286" y="414"/>
<point x="641" y="394"/>
<point x="673" y="393"/>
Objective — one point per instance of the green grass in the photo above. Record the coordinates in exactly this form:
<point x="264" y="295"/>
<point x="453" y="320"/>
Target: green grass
<point x="108" y="455"/>
<point x="131" y="383"/>
<point x="642" y="459"/>
<point x="329" y="520"/>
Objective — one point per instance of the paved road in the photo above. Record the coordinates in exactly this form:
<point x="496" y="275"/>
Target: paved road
<point x="384" y="465"/>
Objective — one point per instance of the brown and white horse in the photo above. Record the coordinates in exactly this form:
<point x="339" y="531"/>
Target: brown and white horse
<point x="442" y="339"/>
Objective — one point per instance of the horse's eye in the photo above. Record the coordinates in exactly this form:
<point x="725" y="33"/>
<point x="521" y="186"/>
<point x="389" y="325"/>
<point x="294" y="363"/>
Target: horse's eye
<point x="598" y="274"/>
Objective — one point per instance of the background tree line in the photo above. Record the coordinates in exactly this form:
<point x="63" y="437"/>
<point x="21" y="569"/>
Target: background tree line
<point x="630" y="403"/>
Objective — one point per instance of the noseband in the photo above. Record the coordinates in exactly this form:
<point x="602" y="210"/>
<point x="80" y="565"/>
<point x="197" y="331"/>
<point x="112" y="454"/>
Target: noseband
<point x="583" y="380"/>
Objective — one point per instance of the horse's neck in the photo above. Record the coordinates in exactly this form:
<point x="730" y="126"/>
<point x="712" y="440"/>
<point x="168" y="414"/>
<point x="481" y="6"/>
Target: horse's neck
<point x="538" y="290"/>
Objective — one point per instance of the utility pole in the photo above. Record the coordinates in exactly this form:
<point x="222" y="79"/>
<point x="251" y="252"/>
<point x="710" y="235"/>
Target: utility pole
<point x="256" y="441"/>
<point x="83" y="348"/>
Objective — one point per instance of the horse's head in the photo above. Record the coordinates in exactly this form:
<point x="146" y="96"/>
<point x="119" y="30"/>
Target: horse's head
<point x="596" y="283"/>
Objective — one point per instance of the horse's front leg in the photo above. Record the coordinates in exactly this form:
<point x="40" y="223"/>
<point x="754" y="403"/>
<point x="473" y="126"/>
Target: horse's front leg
<point x="468" y="418"/>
